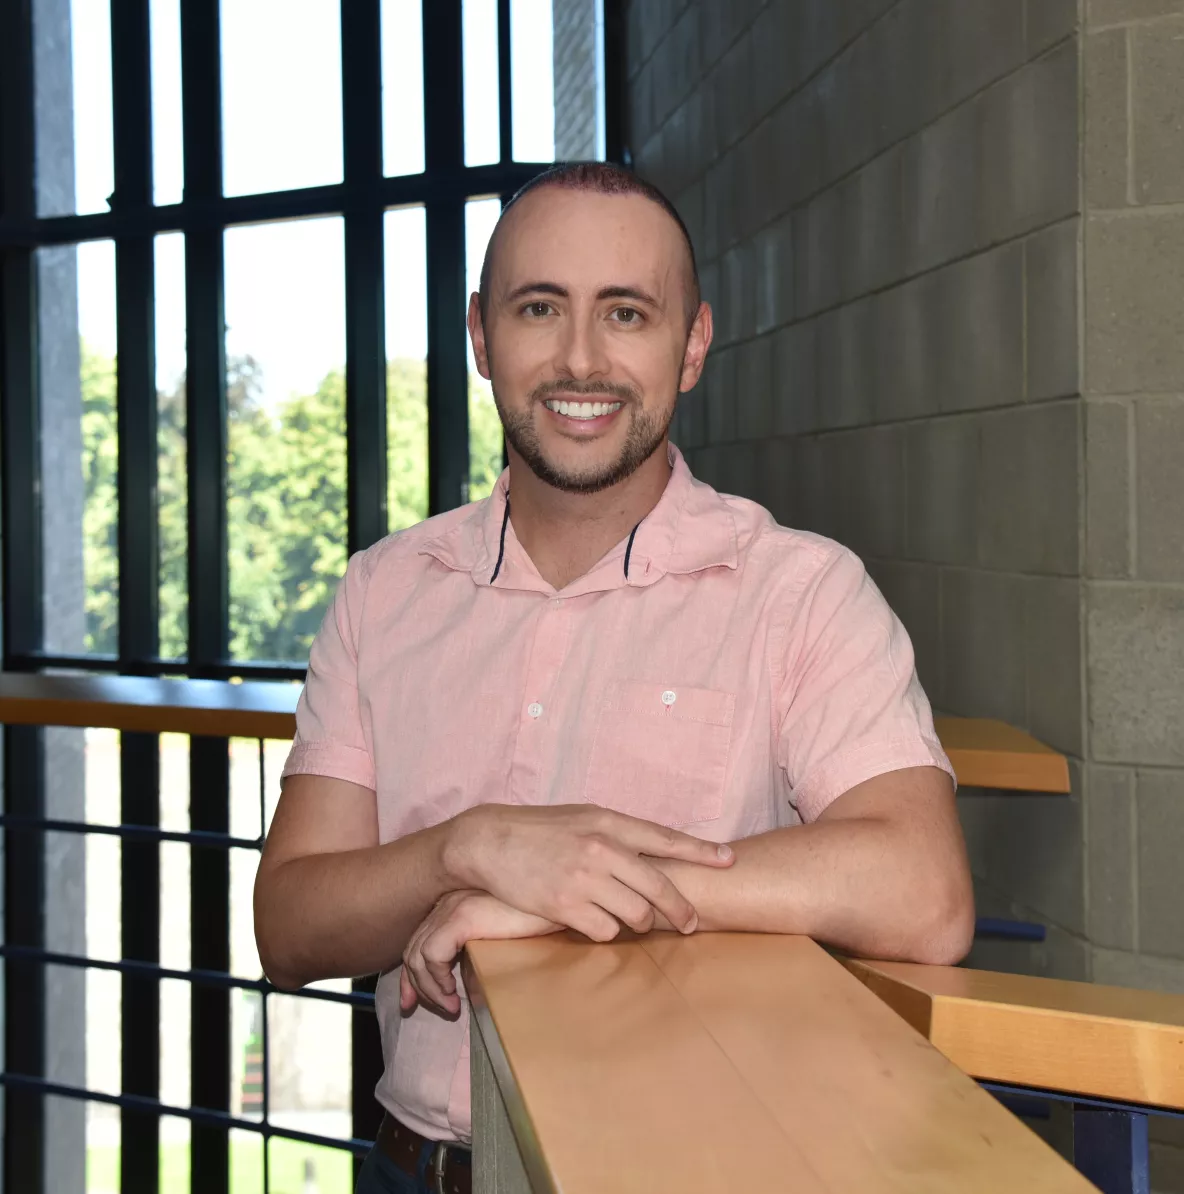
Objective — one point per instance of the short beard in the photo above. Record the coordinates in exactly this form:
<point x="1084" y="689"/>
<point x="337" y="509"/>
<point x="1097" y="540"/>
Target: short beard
<point x="645" y="436"/>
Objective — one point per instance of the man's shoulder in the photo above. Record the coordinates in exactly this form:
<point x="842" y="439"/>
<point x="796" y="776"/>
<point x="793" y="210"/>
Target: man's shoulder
<point x="787" y="554"/>
<point x="408" y="552"/>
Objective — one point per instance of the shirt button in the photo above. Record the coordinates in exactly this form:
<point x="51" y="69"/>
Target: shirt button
<point x="669" y="697"/>
<point x="535" y="710"/>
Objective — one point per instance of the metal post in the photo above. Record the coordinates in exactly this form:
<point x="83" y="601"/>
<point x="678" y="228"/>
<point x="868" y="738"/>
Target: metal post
<point x="1110" y="1149"/>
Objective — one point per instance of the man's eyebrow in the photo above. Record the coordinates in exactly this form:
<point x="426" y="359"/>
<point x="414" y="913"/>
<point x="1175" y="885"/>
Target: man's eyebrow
<point x="536" y="288"/>
<point x="629" y="292"/>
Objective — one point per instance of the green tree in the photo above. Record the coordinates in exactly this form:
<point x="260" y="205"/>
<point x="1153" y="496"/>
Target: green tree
<point x="286" y="500"/>
<point x="100" y="507"/>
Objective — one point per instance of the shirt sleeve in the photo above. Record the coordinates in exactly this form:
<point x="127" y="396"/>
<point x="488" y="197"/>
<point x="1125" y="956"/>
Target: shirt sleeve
<point x="330" y="734"/>
<point x="850" y="704"/>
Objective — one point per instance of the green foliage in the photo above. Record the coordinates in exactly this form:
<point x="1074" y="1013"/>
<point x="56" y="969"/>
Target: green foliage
<point x="286" y="500"/>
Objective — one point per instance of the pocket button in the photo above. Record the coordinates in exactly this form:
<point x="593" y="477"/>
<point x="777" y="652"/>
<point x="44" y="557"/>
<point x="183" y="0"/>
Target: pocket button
<point x="669" y="697"/>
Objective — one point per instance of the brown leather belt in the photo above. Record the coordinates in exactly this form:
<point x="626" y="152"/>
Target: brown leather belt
<point x="450" y="1170"/>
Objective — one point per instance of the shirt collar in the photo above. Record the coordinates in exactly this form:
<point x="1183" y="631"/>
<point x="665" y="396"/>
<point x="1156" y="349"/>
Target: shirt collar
<point x="690" y="529"/>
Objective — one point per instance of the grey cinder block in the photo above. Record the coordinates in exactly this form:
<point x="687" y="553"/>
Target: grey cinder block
<point x="1135" y="636"/>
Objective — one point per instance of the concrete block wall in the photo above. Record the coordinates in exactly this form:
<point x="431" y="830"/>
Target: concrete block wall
<point x="945" y="246"/>
<point x="885" y="195"/>
<point x="1133" y="525"/>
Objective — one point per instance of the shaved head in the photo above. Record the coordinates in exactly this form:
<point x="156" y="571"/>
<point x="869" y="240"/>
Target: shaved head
<point x="600" y="178"/>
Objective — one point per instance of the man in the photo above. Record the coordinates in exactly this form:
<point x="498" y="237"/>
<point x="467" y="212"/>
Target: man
<point x="604" y="696"/>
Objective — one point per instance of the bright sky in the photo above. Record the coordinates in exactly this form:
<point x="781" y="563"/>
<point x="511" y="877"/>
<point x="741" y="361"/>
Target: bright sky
<point x="281" y="80"/>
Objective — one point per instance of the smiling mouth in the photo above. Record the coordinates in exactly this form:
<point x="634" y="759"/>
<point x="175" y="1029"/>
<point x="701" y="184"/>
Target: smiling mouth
<point x="582" y="410"/>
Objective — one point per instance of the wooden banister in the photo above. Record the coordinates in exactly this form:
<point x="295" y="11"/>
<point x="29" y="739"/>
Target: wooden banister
<point x="217" y="708"/>
<point x="986" y="754"/>
<point x="1105" y="1042"/>
<point x="720" y="1062"/>
<point x="993" y="754"/>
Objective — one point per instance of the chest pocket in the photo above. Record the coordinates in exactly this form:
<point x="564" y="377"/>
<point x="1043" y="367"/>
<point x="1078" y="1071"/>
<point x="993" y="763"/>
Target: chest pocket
<point x="661" y="752"/>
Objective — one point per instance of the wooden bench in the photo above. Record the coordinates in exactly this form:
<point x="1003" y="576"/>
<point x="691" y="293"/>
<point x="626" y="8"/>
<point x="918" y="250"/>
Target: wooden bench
<point x="715" y="1063"/>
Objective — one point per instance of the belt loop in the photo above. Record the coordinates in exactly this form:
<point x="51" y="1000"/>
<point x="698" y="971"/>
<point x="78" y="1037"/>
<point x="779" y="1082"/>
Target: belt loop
<point x="439" y="1164"/>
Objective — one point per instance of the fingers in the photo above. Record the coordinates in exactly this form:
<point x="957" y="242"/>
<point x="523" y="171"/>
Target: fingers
<point x="644" y="837"/>
<point x="658" y="892"/>
<point x="429" y="975"/>
<point x="626" y="906"/>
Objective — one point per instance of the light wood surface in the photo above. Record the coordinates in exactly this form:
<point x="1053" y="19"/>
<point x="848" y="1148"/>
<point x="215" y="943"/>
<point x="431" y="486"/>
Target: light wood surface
<point x="1107" y="1042"/>
<point x="984" y="753"/>
<point x="993" y="754"/>
<point x="728" y="1062"/>
<point x="217" y="708"/>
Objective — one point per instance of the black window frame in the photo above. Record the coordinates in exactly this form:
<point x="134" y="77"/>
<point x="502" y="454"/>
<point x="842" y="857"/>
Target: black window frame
<point x="132" y="223"/>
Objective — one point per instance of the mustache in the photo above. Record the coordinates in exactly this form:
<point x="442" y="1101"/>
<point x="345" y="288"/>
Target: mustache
<point x="548" y="389"/>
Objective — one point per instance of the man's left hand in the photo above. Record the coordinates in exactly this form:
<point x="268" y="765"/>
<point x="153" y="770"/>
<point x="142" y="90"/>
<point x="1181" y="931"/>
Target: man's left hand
<point x="428" y="976"/>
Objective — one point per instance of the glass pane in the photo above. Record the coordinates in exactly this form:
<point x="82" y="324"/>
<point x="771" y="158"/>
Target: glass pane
<point x="311" y="1074"/>
<point x="299" y="1166"/>
<point x="281" y="95"/>
<point x="79" y="444"/>
<point x="579" y="92"/>
<point x="244" y="954"/>
<point x="175" y="1135"/>
<point x="164" y="17"/>
<point x="172" y="510"/>
<point x="246" y="1162"/>
<point x="246" y="1053"/>
<point x="174" y="871"/>
<point x="102" y="1149"/>
<point x="532" y="84"/>
<point x="479" y="35"/>
<point x="175" y="1061"/>
<point x="285" y="349"/>
<point x="246" y="788"/>
<point x="406" y="367"/>
<point x="402" y="86"/>
<point x="486" y="446"/>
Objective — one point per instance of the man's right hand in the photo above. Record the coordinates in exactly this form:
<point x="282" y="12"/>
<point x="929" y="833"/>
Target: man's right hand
<point x="577" y="865"/>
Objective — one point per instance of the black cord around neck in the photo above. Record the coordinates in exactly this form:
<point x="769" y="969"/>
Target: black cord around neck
<point x="501" y="551"/>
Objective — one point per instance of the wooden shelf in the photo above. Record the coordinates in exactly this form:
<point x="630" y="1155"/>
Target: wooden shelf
<point x="993" y="754"/>
<point x="727" y="1062"/>
<point x="217" y="708"/>
<point x="1107" y="1042"/>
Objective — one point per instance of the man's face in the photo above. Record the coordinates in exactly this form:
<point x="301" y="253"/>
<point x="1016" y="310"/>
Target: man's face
<point x="585" y="336"/>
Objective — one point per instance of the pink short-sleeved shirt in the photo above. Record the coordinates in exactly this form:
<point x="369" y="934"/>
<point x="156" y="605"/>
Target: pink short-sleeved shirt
<point x="717" y="672"/>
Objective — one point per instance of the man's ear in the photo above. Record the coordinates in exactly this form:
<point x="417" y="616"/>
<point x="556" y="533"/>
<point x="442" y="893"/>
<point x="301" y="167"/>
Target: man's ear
<point x="477" y="335"/>
<point x="695" y="354"/>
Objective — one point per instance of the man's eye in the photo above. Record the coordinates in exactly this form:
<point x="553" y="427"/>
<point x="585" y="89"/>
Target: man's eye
<point x="627" y="315"/>
<point x="537" y="310"/>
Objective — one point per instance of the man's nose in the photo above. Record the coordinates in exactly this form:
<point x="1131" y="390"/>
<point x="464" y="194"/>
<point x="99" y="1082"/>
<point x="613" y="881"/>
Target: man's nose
<point x="581" y="350"/>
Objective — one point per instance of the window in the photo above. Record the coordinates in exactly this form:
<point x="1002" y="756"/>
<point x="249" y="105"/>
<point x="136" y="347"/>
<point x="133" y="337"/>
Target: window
<point x="235" y="256"/>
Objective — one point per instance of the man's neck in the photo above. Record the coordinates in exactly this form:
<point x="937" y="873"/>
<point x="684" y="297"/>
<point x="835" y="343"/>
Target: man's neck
<point x="565" y="534"/>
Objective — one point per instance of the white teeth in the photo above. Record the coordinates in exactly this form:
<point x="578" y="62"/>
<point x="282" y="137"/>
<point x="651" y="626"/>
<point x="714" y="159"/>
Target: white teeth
<point x="581" y="410"/>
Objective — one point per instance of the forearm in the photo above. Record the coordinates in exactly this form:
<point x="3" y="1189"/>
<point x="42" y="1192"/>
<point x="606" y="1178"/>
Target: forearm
<point x="868" y="886"/>
<point x="351" y="912"/>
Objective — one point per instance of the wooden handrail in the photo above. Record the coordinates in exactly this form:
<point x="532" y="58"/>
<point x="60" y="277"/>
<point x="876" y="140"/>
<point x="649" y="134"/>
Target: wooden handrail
<point x="723" y="1062"/>
<point x="1105" y="1042"/>
<point x="984" y="753"/>
<point x="216" y="708"/>
<point x="993" y="754"/>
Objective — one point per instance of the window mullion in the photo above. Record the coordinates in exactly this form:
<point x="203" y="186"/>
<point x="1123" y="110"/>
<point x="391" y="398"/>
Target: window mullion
<point x="447" y="372"/>
<point x="205" y="393"/>
<point x="365" y="355"/>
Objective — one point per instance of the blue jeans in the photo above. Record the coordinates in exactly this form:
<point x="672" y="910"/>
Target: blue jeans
<point x="380" y="1175"/>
